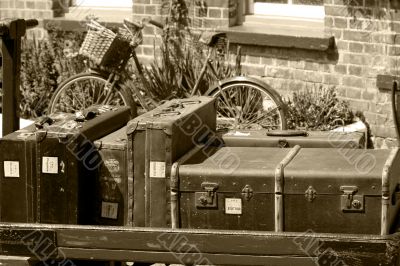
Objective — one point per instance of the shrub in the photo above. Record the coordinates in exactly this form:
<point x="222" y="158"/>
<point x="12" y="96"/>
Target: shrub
<point x="44" y="64"/>
<point x="317" y="108"/>
<point x="178" y="65"/>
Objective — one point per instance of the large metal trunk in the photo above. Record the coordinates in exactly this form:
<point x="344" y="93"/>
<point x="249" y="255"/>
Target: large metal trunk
<point x="229" y="188"/>
<point x="286" y="139"/>
<point x="287" y="189"/>
<point x="17" y="172"/>
<point x="156" y="140"/>
<point x="341" y="191"/>
<point x="67" y="164"/>
<point x="114" y="187"/>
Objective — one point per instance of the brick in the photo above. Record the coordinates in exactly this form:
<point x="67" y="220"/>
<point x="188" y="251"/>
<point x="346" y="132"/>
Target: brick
<point x="355" y="70"/>
<point x="336" y="11"/>
<point x="257" y="70"/>
<point x="356" y="59"/>
<point x="359" y="36"/>
<point x="146" y="2"/>
<point x="328" y="21"/>
<point x="299" y="64"/>
<point x="315" y="77"/>
<point x="215" y="23"/>
<point x="374" y="48"/>
<point x="20" y="4"/>
<point x="383" y="131"/>
<point x="353" y="81"/>
<point x="216" y="3"/>
<point x="311" y="66"/>
<point x="278" y="73"/>
<point x="342" y="45"/>
<point x="252" y="59"/>
<point x="331" y="79"/>
<point x="356" y="47"/>
<point x="268" y="61"/>
<point x="341" y="69"/>
<point x="384" y="38"/>
<point x="138" y="9"/>
<point x="340" y="23"/>
<point x="358" y="105"/>
<point x="150" y="9"/>
<point x="214" y="13"/>
<point x="354" y="93"/>
<point x="155" y="2"/>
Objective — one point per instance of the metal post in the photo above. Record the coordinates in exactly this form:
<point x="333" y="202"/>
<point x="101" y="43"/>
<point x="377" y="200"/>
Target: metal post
<point x="11" y="32"/>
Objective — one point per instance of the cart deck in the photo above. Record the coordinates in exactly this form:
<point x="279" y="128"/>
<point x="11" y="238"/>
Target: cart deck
<point x="23" y="244"/>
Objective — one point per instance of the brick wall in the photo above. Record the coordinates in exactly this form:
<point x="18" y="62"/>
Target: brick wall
<point x="367" y="45"/>
<point x="206" y="14"/>
<point x="26" y="9"/>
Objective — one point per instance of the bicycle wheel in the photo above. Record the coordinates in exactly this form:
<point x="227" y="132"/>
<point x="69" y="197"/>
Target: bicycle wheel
<point x="83" y="90"/>
<point x="247" y="103"/>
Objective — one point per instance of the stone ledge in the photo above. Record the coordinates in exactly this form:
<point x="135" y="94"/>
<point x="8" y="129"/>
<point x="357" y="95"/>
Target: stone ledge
<point x="282" y="38"/>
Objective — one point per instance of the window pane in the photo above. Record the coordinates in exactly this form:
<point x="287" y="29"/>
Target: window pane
<point x="309" y="2"/>
<point x="272" y="1"/>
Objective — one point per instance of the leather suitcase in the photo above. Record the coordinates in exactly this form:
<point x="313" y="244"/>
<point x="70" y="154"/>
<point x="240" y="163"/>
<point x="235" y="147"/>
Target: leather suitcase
<point x="287" y="189"/>
<point x="290" y="138"/>
<point x="67" y="162"/>
<point x="157" y="139"/>
<point x="114" y="190"/>
<point x="17" y="171"/>
<point x="226" y="188"/>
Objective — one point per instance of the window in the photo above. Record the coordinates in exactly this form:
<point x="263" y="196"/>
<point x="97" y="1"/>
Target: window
<point x="311" y="9"/>
<point x="104" y="3"/>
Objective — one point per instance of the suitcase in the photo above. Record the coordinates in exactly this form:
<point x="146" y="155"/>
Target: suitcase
<point x="114" y="191"/>
<point x="67" y="163"/>
<point x="290" y="138"/>
<point x="325" y="190"/>
<point x="17" y="171"/>
<point x="156" y="140"/>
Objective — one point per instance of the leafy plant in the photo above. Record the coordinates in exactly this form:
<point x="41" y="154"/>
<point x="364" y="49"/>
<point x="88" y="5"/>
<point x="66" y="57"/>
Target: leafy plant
<point x="317" y="108"/>
<point x="44" y="64"/>
<point x="178" y="64"/>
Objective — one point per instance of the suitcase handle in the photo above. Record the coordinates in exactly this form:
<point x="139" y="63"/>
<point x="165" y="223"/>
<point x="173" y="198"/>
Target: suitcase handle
<point x="167" y="113"/>
<point x="42" y="121"/>
<point x="287" y="133"/>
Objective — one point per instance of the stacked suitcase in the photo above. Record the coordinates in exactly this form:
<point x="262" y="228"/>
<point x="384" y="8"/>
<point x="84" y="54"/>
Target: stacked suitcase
<point x="170" y="168"/>
<point x="47" y="170"/>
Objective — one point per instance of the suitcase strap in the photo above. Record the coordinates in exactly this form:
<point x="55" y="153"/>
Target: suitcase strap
<point x="279" y="178"/>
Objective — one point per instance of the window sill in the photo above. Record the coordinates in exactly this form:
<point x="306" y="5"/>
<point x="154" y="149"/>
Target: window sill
<point x="282" y="33"/>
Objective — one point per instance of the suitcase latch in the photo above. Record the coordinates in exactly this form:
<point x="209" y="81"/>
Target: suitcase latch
<point x="247" y="192"/>
<point x="351" y="202"/>
<point x="207" y="199"/>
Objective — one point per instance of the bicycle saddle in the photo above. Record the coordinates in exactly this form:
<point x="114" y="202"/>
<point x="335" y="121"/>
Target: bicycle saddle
<point x="210" y="38"/>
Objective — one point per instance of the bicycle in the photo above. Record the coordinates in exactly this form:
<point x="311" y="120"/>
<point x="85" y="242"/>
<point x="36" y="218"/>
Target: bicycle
<point x="242" y="102"/>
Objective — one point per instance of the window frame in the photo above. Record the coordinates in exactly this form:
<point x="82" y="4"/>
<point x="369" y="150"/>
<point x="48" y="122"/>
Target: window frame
<point x="290" y="10"/>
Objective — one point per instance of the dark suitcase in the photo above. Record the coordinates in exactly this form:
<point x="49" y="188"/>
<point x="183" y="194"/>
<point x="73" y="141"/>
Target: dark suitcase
<point x="298" y="190"/>
<point x="114" y="190"/>
<point x="227" y="188"/>
<point x="67" y="163"/>
<point x="290" y="138"/>
<point x="156" y="140"/>
<point x="17" y="171"/>
<point x="342" y="191"/>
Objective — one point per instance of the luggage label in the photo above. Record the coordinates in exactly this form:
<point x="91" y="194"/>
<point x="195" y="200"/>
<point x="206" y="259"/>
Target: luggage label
<point x="11" y="169"/>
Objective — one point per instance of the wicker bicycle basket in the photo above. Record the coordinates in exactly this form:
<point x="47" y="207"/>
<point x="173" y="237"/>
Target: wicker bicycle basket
<point x="103" y="46"/>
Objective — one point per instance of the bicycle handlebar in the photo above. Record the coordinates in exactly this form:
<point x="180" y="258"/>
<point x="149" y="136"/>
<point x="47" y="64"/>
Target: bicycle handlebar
<point x="156" y="23"/>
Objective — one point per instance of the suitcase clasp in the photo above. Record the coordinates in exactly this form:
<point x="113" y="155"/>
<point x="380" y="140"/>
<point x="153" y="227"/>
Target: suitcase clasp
<point x="207" y="199"/>
<point x="247" y="192"/>
<point x="351" y="202"/>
